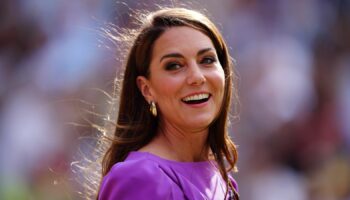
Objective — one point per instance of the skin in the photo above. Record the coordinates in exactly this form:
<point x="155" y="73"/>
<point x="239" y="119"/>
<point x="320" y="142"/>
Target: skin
<point x="184" y="62"/>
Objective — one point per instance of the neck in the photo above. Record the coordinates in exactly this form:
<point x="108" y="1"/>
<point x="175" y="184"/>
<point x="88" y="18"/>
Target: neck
<point x="177" y="144"/>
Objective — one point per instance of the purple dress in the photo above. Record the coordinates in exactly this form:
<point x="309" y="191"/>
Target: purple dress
<point x="147" y="176"/>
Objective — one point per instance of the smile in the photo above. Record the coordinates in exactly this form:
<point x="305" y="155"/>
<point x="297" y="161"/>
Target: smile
<point x="196" y="99"/>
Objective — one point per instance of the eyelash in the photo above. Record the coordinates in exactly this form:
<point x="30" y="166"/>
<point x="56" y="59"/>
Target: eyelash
<point x="210" y="59"/>
<point x="175" y="65"/>
<point x="172" y="66"/>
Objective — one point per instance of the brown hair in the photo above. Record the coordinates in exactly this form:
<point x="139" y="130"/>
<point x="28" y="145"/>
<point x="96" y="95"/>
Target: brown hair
<point x="135" y="125"/>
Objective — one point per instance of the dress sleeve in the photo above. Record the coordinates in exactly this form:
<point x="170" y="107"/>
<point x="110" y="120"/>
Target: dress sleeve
<point x="134" y="180"/>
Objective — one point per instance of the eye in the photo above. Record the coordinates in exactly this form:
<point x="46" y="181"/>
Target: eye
<point x="208" y="60"/>
<point x="172" y="66"/>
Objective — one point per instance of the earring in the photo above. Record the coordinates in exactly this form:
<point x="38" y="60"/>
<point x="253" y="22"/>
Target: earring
<point x="153" y="109"/>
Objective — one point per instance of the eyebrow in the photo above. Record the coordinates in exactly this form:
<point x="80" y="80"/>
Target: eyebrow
<point x="178" y="55"/>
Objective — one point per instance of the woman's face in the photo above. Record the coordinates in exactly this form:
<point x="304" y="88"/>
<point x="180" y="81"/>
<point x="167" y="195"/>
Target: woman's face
<point x="186" y="79"/>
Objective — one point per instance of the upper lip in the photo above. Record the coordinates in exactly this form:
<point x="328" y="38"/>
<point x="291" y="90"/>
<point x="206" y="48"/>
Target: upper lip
<point x="195" y="93"/>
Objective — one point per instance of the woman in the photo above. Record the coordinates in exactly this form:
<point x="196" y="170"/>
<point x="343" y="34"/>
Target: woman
<point x="171" y="139"/>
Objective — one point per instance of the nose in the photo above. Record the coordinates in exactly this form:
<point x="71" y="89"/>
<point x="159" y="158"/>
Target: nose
<point x="195" y="74"/>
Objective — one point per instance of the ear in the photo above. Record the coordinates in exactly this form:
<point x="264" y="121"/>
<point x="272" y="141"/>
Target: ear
<point x="145" y="88"/>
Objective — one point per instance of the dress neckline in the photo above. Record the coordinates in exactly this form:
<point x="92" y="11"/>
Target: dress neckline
<point x="139" y="154"/>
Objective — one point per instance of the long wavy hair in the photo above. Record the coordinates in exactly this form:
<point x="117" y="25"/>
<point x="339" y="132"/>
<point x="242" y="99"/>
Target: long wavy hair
<point x="135" y="125"/>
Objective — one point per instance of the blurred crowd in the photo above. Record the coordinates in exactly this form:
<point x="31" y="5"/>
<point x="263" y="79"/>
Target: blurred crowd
<point x="293" y="61"/>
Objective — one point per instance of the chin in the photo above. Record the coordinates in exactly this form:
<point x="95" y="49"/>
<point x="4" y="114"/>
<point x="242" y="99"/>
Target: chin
<point x="200" y="123"/>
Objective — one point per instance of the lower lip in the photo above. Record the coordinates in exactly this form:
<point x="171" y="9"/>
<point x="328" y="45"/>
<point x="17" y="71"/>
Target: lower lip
<point x="198" y="105"/>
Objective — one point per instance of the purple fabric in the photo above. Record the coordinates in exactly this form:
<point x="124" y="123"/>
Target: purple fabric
<point x="147" y="176"/>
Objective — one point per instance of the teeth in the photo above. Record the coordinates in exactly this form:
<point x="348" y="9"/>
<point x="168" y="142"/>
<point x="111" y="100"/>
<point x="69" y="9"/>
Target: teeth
<point x="196" y="97"/>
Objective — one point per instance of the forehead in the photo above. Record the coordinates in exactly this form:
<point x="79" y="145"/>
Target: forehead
<point x="183" y="39"/>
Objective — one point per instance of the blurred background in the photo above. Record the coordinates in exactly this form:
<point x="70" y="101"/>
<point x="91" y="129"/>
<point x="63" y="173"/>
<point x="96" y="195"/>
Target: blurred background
<point x="293" y="61"/>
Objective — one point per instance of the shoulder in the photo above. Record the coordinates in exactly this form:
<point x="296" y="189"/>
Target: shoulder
<point x="234" y="182"/>
<point x="135" y="179"/>
<point x="134" y="169"/>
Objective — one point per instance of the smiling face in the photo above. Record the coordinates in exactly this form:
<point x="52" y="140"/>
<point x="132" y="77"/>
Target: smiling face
<point x="186" y="79"/>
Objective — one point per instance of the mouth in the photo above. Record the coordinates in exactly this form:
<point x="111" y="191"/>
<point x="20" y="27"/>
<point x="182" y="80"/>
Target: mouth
<point x="196" y="98"/>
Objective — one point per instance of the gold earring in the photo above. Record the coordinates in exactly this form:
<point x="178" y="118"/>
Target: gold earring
<point x="153" y="109"/>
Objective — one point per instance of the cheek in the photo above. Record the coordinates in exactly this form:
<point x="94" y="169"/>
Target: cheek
<point x="166" y="87"/>
<point x="219" y="84"/>
<point x="219" y="79"/>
